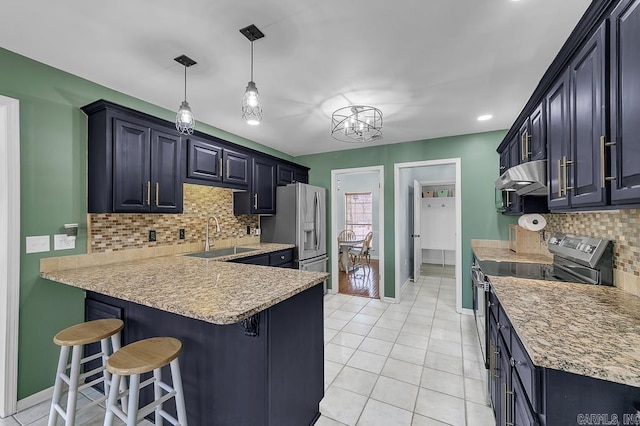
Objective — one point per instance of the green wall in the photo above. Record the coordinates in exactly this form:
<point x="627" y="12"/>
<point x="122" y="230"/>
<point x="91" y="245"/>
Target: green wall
<point x="53" y="149"/>
<point x="479" y="166"/>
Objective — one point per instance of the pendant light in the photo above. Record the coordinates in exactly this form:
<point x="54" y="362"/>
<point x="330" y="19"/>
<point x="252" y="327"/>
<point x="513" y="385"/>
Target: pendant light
<point x="185" y="122"/>
<point x="251" y="103"/>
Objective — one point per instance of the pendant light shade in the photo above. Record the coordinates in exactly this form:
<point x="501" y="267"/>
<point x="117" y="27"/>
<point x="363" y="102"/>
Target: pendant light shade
<point x="185" y="122"/>
<point x="251" y="102"/>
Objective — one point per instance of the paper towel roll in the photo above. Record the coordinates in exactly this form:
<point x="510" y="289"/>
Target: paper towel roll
<point x="532" y="222"/>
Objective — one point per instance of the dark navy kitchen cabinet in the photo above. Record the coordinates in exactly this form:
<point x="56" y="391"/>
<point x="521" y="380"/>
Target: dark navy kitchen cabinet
<point x="587" y="104"/>
<point x="513" y="203"/>
<point x="261" y="198"/>
<point x="531" y="137"/>
<point x="557" y="100"/>
<point x="285" y="174"/>
<point x="625" y="103"/>
<point x="212" y="163"/>
<point x="134" y="163"/>
<point x="279" y="259"/>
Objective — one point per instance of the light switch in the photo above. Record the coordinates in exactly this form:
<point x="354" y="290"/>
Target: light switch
<point x="63" y="242"/>
<point x="38" y="244"/>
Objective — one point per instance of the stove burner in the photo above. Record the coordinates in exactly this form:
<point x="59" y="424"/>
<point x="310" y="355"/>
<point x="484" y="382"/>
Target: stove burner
<point x="535" y="271"/>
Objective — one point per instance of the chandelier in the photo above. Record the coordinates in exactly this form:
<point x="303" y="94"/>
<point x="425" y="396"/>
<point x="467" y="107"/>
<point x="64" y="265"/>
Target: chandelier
<point x="356" y="124"/>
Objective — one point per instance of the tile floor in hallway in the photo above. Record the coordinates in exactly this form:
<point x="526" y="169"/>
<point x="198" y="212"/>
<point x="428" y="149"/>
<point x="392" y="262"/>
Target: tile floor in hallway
<point x="413" y="363"/>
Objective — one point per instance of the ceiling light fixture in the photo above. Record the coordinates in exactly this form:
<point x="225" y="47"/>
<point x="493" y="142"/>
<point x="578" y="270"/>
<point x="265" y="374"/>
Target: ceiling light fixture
<point x="356" y="124"/>
<point x="485" y="117"/>
<point x="251" y="103"/>
<point x="185" y="123"/>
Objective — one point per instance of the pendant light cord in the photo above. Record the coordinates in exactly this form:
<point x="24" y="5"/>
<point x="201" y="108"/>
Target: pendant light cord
<point x="251" y="60"/>
<point x="185" y="84"/>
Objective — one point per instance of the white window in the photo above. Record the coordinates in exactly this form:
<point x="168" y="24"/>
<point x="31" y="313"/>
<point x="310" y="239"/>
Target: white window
<point x="359" y="213"/>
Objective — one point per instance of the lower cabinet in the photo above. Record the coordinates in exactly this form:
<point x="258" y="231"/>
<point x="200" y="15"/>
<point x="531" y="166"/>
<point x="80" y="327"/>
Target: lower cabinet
<point x="523" y="394"/>
<point x="95" y="310"/>
<point x="279" y="259"/>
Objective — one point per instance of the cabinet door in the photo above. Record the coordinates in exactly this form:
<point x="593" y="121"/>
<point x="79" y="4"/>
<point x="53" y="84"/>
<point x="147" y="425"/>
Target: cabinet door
<point x="236" y="167"/>
<point x="95" y="310"/>
<point x="587" y="123"/>
<point x="504" y="161"/>
<point x="301" y="175"/>
<point x="521" y="411"/>
<point x="536" y="142"/>
<point x="263" y="186"/>
<point x="204" y="161"/>
<point x="625" y="102"/>
<point x="494" y="368"/>
<point x="505" y="416"/>
<point x="165" y="172"/>
<point x="131" y="167"/>
<point x="557" y="100"/>
<point x="286" y="174"/>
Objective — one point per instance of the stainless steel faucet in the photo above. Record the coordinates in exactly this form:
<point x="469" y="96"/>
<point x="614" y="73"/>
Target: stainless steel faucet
<point x="206" y="241"/>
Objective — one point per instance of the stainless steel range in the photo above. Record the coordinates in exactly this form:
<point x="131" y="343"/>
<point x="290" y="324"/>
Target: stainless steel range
<point x="575" y="259"/>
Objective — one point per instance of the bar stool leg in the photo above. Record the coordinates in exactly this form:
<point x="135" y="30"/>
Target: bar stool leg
<point x="59" y="383"/>
<point x="72" y="398"/>
<point x="115" y="346"/>
<point x="157" y="394"/>
<point x="177" y="386"/>
<point x="134" y="389"/>
<point x="111" y="400"/>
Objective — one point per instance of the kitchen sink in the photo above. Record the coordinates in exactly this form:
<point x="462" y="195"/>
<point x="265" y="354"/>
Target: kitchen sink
<point x="221" y="252"/>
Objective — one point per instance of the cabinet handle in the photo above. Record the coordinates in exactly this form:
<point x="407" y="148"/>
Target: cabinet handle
<point x="220" y="172"/>
<point x="524" y="145"/>
<point x="227" y="168"/>
<point x="157" y="194"/>
<point x="508" y="397"/>
<point x="603" y="144"/>
<point x="255" y="201"/>
<point x="566" y="163"/>
<point x="148" y="192"/>
<point x="559" y="179"/>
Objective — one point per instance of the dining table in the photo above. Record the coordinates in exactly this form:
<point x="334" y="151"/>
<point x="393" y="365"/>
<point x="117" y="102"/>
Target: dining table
<point x="345" y="246"/>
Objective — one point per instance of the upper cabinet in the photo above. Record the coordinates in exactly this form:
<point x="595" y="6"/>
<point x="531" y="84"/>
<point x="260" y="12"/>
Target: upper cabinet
<point x="133" y="164"/>
<point x="211" y="162"/>
<point x="624" y="143"/>
<point x="586" y="110"/>
<point x="261" y="198"/>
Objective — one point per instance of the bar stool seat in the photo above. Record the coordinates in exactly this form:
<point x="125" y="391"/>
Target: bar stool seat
<point x="75" y="338"/>
<point x="137" y="358"/>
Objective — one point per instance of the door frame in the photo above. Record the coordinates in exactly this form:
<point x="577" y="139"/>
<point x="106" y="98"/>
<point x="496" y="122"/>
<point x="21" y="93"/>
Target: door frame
<point x="334" y="229"/>
<point x="9" y="252"/>
<point x="400" y="204"/>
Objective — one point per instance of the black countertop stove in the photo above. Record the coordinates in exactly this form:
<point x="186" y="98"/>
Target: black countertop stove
<point x="535" y="271"/>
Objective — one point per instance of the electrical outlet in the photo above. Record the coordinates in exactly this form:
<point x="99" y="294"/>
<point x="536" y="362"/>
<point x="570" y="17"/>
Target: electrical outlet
<point x="181" y="234"/>
<point x="248" y="230"/>
<point x="152" y="235"/>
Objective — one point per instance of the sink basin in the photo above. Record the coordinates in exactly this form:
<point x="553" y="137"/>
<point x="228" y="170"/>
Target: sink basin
<point x="221" y="252"/>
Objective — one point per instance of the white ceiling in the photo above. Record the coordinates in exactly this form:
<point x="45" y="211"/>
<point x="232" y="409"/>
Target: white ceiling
<point x="431" y="66"/>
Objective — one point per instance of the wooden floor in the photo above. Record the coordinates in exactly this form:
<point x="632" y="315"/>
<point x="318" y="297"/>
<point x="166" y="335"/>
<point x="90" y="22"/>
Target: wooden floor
<point x="363" y="281"/>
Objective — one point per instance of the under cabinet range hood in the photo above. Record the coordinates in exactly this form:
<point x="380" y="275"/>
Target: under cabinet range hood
<point x="525" y="179"/>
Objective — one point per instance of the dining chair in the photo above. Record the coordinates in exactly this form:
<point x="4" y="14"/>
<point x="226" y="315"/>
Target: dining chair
<point x="346" y="235"/>
<point x="361" y="253"/>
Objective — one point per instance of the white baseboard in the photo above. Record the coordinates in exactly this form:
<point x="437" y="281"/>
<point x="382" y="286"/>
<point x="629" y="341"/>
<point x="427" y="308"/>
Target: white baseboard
<point x="389" y="299"/>
<point x="467" y="311"/>
<point x="35" y="399"/>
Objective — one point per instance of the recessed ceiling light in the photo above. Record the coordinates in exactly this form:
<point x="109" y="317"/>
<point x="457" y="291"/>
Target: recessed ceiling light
<point x="485" y="117"/>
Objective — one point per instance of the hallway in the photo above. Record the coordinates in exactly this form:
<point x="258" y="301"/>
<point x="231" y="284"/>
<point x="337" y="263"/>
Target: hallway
<point x="414" y="363"/>
<point x="364" y="281"/>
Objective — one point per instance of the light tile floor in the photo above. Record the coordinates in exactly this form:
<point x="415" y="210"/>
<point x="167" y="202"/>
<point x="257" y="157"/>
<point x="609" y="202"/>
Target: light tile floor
<point x="414" y="363"/>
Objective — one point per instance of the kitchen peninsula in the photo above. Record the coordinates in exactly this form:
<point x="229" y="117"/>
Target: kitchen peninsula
<point x="252" y="335"/>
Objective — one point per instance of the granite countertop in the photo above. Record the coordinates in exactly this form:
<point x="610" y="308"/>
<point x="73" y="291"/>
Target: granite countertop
<point x="502" y="254"/>
<point x="583" y="329"/>
<point x="206" y="289"/>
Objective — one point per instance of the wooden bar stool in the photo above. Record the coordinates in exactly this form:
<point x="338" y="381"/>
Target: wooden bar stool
<point x="138" y="358"/>
<point x="75" y="337"/>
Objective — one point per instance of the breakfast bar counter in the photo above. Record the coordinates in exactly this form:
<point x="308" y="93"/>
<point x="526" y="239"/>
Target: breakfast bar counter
<point x="252" y="335"/>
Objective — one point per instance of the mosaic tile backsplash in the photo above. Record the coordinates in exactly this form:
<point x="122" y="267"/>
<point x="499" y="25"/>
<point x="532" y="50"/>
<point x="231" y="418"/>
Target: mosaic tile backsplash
<point x="121" y="231"/>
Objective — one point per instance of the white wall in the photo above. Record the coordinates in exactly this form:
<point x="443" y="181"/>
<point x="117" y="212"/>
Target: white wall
<point x="360" y="182"/>
<point x="441" y="173"/>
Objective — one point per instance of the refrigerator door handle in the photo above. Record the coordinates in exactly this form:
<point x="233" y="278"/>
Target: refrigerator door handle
<point x="316" y="221"/>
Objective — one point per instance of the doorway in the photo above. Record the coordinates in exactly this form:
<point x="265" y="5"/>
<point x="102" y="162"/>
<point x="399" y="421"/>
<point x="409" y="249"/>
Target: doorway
<point x="409" y="179"/>
<point x="357" y="205"/>
<point x="9" y="252"/>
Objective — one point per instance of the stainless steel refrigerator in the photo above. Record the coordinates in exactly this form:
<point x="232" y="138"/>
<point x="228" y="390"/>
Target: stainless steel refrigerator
<point x="300" y="219"/>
